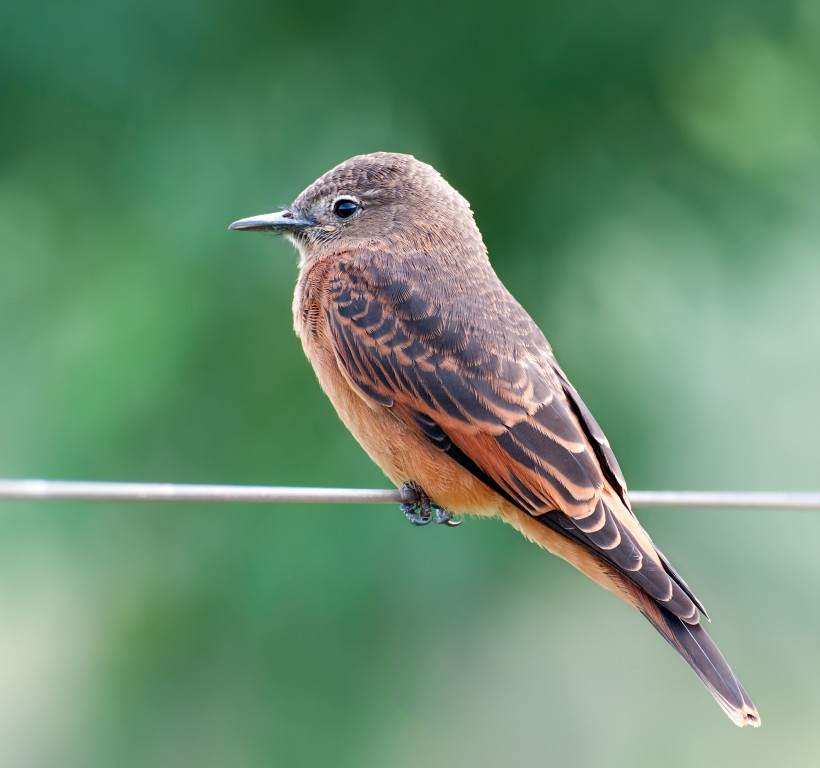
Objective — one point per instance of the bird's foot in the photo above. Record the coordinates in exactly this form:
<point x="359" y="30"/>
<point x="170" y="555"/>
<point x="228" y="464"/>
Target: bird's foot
<point x="420" y="510"/>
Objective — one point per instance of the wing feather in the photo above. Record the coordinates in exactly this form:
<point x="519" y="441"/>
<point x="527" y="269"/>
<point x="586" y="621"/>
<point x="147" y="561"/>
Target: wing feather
<point x="485" y="390"/>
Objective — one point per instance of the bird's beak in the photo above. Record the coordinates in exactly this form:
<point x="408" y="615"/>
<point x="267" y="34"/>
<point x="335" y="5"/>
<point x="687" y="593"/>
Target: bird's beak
<point x="282" y="221"/>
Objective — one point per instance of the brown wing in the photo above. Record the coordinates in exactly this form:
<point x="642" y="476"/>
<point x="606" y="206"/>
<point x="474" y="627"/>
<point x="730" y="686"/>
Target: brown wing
<point x="469" y="368"/>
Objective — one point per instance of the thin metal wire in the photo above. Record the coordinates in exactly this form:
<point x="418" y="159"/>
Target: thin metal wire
<point x="97" y="491"/>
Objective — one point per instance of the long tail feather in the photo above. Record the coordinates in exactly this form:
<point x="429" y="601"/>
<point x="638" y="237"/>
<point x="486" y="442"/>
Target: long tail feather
<point x="693" y="643"/>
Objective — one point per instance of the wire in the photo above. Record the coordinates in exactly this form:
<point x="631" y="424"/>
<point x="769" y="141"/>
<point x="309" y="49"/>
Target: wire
<point x="97" y="491"/>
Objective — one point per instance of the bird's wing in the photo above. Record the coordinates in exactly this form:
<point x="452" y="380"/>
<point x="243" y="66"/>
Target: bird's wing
<point x="497" y="403"/>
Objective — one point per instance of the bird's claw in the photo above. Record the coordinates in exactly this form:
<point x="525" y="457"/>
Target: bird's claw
<point x="420" y="510"/>
<point x="443" y="516"/>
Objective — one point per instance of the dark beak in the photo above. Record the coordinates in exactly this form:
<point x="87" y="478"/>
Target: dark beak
<point x="282" y="221"/>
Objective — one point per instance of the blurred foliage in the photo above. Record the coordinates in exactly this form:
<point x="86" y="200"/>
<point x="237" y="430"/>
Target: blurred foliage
<point x="647" y="178"/>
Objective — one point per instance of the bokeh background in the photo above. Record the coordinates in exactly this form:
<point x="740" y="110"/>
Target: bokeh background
<point x="647" y="178"/>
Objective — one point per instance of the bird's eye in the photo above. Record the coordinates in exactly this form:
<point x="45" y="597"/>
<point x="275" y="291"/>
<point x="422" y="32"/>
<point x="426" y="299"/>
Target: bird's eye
<point x="344" y="207"/>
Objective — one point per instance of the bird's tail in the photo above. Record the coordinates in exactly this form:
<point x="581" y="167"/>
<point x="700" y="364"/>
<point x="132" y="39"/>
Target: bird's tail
<point x="693" y="643"/>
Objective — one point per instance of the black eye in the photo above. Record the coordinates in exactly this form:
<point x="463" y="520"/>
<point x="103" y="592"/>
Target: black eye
<point x="344" y="208"/>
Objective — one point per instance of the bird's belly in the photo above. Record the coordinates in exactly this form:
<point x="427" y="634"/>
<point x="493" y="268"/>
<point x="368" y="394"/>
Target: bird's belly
<point x="398" y="448"/>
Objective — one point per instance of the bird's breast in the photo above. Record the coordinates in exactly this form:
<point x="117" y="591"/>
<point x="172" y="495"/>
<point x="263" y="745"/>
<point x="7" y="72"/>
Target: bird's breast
<point x="394" y="443"/>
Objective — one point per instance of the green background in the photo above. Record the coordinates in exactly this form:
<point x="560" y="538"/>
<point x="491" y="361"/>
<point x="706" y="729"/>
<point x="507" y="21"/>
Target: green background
<point x="647" y="179"/>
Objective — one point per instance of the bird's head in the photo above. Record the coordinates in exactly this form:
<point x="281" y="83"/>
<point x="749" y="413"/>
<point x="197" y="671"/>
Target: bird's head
<point x="383" y="202"/>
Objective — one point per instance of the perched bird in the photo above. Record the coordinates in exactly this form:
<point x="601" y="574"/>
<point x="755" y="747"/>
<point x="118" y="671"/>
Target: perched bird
<point x="452" y="389"/>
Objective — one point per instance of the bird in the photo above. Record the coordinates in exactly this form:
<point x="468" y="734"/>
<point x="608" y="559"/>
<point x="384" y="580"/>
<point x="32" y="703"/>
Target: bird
<point x="454" y="392"/>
